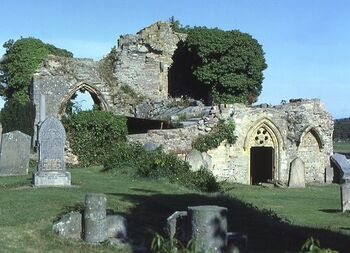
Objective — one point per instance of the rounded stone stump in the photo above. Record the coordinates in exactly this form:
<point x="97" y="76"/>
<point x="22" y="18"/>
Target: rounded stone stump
<point x="208" y="228"/>
<point x="95" y="222"/>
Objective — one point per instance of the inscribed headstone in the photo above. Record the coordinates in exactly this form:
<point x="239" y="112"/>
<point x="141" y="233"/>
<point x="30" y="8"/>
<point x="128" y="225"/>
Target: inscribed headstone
<point x="51" y="164"/>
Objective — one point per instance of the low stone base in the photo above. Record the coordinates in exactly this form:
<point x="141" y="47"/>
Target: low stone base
<point x="52" y="178"/>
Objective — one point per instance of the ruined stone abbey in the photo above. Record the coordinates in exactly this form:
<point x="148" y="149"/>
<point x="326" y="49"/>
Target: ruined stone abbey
<point x="269" y="137"/>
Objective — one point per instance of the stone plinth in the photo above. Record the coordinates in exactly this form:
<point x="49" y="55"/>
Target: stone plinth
<point x="95" y="222"/>
<point x="208" y="228"/>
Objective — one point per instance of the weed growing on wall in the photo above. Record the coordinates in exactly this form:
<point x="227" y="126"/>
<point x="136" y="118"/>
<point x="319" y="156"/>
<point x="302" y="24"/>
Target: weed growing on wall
<point x="222" y="131"/>
<point x="92" y="134"/>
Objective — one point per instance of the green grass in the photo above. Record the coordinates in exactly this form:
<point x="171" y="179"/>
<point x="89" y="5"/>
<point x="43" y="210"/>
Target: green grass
<point x="27" y="213"/>
<point x="342" y="147"/>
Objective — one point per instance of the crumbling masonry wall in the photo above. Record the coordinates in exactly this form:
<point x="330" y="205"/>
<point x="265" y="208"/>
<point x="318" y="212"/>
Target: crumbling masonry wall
<point x="141" y="64"/>
<point x="301" y="128"/>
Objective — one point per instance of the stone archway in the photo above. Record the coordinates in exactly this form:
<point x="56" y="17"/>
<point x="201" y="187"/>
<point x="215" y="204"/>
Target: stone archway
<point x="264" y="144"/>
<point x="310" y="151"/>
<point x="95" y="95"/>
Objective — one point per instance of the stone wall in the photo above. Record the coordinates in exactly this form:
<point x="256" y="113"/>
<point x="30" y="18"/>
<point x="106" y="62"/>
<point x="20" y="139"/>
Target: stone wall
<point x="143" y="59"/>
<point x="141" y="64"/>
<point x="302" y="128"/>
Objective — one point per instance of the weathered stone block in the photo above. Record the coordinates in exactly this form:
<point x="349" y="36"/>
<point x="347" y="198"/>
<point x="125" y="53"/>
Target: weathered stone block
<point x="116" y="227"/>
<point x="297" y="174"/>
<point x="15" y="151"/>
<point x="95" y="222"/>
<point x="345" y="197"/>
<point x="208" y="228"/>
<point x="69" y="226"/>
<point x="178" y="227"/>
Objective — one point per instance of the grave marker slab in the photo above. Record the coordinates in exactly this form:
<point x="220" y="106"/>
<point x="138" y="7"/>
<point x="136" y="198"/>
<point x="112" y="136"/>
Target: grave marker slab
<point x="297" y="174"/>
<point x="51" y="166"/>
<point x="15" y="151"/>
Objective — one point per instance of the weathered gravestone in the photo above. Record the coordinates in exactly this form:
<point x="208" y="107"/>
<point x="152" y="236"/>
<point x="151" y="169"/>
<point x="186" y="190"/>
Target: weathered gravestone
<point x="195" y="160"/>
<point x="297" y="174"/>
<point x="342" y="165"/>
<point x="15" y="151"/>
<point x="95" y="218"/>
<point x="345" y="197"/>
<point x="69" y="226"/>
<point x="51" y="166"/>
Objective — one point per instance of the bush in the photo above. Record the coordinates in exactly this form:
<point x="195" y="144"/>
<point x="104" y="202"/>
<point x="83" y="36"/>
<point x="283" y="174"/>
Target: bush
<point x="222" y="131"/>
<point x="18" y="115"/>
<point x="93" y="134"/>
<point x="133" y="159"/>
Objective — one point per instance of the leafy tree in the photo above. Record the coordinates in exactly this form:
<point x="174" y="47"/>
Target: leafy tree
<point x="21" y="59"/>
<point x="228" y="63"/>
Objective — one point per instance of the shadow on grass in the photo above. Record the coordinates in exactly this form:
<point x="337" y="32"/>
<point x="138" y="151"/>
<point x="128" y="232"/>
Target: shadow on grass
<point x="331" y="210"/>
<point x="266" y="231"/>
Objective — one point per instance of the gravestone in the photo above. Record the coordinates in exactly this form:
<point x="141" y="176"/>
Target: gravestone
<point x="297" y="174"/>
<point x="51" y="166"/>
<point x="95" y="220"/>
<point x="69" y="226"/>
<point x="195" y="160"/>
<point x="208" y="228"/>
<point x="329" y="175"/>
<point x="15" y="151"/>
<point x="345" y="197"/>
<point x="116" y="226"/>
<point x="343" y="166"/>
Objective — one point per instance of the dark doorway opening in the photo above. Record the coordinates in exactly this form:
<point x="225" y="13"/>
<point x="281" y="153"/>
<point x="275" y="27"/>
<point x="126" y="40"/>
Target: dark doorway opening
<point x="261" y="164"/>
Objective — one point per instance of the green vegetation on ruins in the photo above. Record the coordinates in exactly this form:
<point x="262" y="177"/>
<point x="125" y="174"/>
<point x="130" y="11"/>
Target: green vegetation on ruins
<point x="222" y="131"/>
<point x="275" y="220"/>
<point x="21" y="59"/>
<point x="227" y="64"/>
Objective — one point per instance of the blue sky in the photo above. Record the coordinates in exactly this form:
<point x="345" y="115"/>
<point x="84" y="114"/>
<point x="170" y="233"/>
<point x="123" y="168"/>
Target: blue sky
<point x="306" y="42"/>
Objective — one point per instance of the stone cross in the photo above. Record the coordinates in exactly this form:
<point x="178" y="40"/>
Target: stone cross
<point x="42" y="108"/>
<point x="51" y="166"/>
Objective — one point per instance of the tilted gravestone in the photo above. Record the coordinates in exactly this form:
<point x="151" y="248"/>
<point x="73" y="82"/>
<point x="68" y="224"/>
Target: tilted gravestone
<point x="342" y="165"/>
<point x="15" y="151"/>
<point x="297" y="174"/>
<point x="51" y="166"/>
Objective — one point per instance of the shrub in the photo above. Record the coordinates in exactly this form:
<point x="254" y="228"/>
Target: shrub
<point x="204" y="180"/>
<point x="222" y="131"/>
<point x="18" y="115"/>
<point x="93" y="134"/>
<point x="133" y="159"/>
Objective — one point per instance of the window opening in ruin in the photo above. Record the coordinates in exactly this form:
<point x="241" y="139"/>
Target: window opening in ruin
<point x="261" y="164"/>
<point x="82" y="100"/>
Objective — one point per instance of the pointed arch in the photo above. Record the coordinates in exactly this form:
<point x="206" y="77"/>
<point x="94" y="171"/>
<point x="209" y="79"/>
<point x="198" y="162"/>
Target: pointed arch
<point x="270" y="127"/>
<point x="96" y="96"/>
<point x="315" y="133"/>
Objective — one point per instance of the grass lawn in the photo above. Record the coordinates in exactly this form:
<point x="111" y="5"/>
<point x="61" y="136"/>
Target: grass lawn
<point x="342" y="147"/>
<point x="27" y="213"/>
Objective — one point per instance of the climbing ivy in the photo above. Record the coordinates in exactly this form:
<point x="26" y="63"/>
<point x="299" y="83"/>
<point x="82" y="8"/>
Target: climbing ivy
<point x="222" y="131"/>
